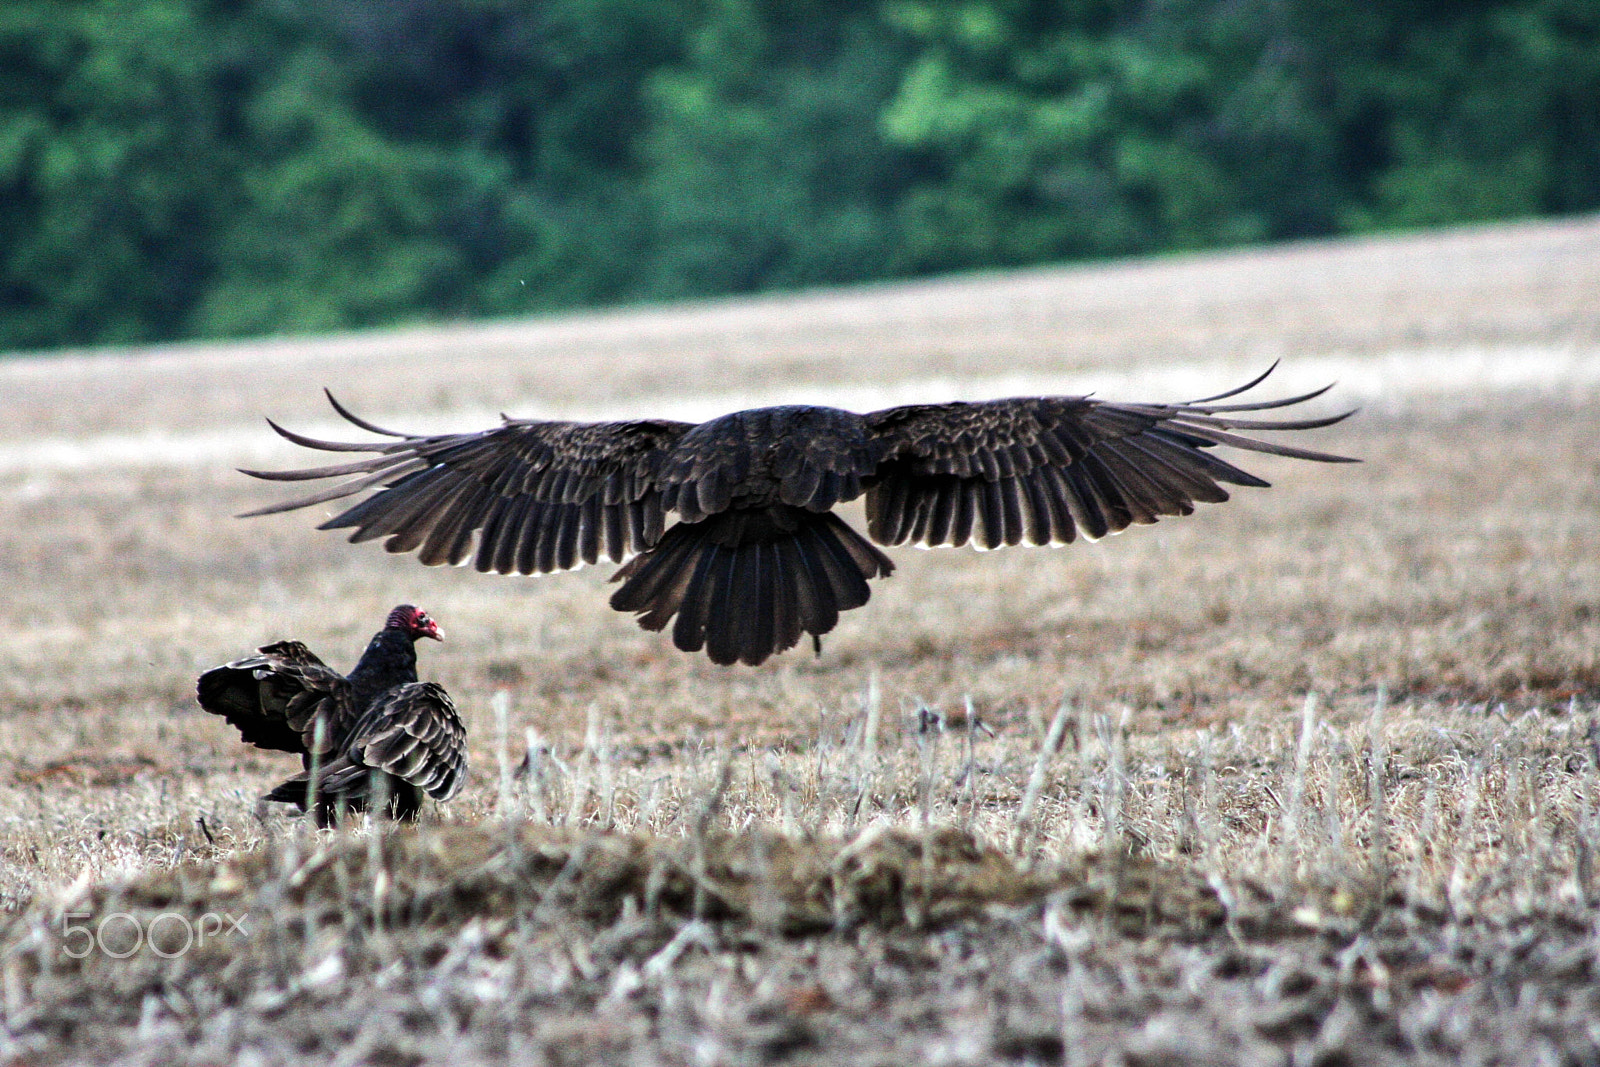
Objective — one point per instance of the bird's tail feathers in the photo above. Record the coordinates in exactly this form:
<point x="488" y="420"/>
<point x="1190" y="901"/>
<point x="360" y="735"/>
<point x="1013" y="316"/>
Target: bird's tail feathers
<point x="296" y="791"/>
<point x="291" y="792"/>
<point x="746" y="584"/>
<point x="347" y="786"/>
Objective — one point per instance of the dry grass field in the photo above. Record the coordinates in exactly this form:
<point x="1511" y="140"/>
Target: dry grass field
<point x="1311" y="777"/>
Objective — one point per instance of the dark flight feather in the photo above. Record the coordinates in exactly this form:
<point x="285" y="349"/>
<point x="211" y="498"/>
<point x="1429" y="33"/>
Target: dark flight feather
<point x="755" y="559"/>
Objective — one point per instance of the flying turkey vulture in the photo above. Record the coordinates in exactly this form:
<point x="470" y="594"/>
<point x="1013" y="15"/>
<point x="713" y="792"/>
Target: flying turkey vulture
<point x="378" y="721"/>
<point x="757" y="556"/>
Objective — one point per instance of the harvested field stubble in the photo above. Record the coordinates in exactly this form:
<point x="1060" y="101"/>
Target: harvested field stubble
<point x="1241" y="903"/>
<point x="1309" y="777"/>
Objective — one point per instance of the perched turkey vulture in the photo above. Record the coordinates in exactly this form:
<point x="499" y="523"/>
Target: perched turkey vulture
<point x="378" y="722"/>
<point x="757" y="557"/>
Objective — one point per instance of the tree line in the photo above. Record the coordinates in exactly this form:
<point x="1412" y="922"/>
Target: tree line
<point x="212" y="168"/>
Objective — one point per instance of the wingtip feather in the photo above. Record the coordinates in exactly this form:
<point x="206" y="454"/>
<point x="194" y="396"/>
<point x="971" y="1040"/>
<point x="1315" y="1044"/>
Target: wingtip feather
<point x="352" y="417"/>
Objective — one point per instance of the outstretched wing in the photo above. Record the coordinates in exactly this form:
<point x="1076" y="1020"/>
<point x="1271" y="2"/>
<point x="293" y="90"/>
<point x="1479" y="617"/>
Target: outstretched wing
<point x="275" y="698"/>
<point x="1042" y="470"/>
<point x="411" y="732"/>
<point x="535" y="496"/>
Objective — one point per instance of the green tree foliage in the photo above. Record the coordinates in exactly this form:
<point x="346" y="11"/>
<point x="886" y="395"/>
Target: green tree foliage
<point x="1093" y="128"/>
<point x="198" y="168"/>
<point x="442" y="157"/>
<point x="112" y="168"/>
<point x="765" y="165"/>
<point x="1488" y="111"/>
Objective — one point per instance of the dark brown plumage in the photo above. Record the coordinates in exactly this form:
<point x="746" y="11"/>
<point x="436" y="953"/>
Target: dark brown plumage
<point x="756" y="557"/>
<point x="380" y="727"/>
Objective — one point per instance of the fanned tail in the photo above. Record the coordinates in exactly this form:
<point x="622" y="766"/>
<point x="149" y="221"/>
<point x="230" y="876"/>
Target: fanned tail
<point x="747" y="584"/>
<point x="296" y="791"/>
<point x="348" y="787"/>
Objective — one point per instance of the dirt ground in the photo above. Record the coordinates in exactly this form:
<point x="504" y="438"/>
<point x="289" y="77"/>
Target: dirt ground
<point x="1308" y="777"/>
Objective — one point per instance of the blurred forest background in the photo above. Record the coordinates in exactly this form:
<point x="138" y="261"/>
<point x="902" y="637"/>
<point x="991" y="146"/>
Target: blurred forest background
<point x="211" y="168"/>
